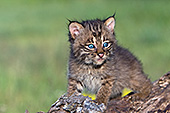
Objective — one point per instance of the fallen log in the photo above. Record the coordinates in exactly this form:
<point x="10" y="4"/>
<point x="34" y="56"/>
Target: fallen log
<point x="157" y="102"/>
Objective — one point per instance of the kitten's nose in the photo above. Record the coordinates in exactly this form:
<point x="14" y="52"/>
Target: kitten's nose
<point x="101" y="55"/>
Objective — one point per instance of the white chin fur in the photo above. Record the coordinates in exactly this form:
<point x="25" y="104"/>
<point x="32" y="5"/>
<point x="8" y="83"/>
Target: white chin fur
<point x="99" y="61"/>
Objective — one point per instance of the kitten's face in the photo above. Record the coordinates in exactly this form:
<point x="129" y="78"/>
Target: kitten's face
<point x="93" y="41"/>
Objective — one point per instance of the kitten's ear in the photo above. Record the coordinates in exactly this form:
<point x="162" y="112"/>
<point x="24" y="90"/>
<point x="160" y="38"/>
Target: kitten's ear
<point x="75" y="28"/>
<point x="110" y="23"/>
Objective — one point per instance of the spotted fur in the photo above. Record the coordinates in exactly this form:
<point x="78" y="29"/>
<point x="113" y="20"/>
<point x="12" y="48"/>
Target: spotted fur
<point x="104" y="67"/>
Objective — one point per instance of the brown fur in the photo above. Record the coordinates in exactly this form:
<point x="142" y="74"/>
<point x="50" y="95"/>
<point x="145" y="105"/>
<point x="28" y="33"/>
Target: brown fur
<point x="105" y="71"/>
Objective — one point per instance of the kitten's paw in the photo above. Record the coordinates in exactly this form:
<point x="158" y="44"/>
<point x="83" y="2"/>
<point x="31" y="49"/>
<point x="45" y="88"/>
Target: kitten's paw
<point x="101" y="101"/>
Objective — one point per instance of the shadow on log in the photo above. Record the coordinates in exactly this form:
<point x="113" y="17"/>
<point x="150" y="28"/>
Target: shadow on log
<point x="157" y="102"/>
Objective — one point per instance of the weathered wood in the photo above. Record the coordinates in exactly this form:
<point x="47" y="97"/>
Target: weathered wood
<point x="157" y="102"/>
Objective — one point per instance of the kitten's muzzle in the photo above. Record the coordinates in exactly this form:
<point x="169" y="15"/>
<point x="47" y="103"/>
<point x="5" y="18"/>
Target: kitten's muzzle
<point x="100" y="55"/>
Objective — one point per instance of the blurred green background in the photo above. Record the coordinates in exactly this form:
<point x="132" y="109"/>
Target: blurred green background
<point x="34" y="47"/>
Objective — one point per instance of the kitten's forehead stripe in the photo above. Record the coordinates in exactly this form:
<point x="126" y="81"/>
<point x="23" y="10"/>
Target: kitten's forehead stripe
<point x="92" y="40"/>
<point x="100" y="28"/>
<point x="91" y="27"/>
<point x="94" y="34"/>
<point x="95" y="27"/>
<point x="102" y="38"/>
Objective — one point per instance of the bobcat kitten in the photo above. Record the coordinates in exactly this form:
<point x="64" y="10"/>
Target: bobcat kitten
<point x="97" y="63"/>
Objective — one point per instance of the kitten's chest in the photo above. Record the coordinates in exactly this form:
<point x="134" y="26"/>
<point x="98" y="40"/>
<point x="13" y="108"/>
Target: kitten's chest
<point x="92" y="79"/>
<point x="92" y="83"/>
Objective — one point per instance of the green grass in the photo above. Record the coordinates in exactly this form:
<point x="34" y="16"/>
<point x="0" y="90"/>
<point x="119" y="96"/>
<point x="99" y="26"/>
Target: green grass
<point x="34" y="48"/>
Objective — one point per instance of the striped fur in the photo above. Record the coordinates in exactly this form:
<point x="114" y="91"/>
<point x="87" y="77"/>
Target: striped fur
<point x="97" y="63"/>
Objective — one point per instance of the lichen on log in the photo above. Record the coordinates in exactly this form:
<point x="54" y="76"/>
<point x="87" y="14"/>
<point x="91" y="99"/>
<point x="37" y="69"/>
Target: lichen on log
<point x="76" y="103"/>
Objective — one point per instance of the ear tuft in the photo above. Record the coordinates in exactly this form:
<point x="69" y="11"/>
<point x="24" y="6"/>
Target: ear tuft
<point x="75" y="29"/>
<point x="110" y="23"/>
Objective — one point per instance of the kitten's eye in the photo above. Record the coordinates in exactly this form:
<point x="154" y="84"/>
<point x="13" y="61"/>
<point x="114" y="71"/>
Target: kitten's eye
<point x="91" y="46"/>
<point x="105" y="44"/>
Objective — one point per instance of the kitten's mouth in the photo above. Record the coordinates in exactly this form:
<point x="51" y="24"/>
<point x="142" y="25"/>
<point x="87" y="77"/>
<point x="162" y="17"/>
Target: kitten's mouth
<point x="97" y="61"/>
<point x="100" y="59"/>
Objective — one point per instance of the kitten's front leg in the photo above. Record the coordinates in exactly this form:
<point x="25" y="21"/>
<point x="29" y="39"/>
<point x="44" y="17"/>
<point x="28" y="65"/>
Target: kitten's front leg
<point x="143" y="89"/>
<point x="104" y="92"/>
<point x="74" y="86"/>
